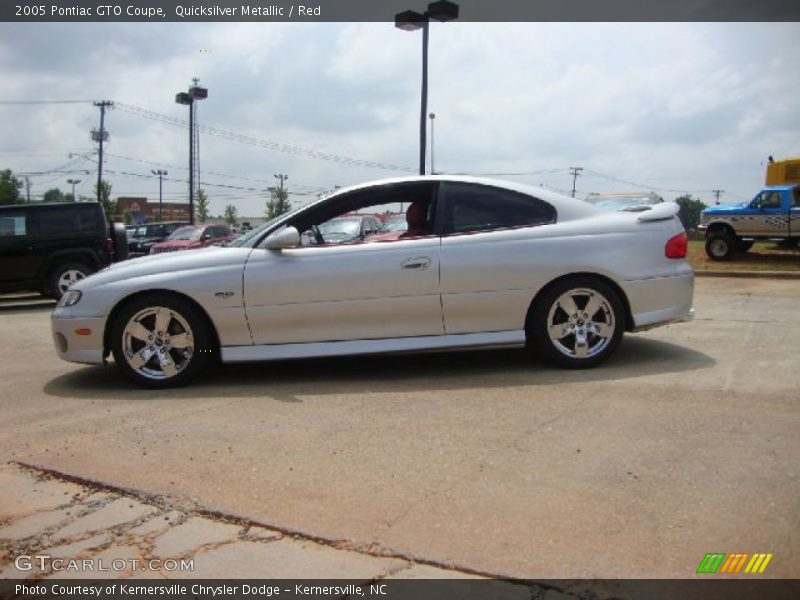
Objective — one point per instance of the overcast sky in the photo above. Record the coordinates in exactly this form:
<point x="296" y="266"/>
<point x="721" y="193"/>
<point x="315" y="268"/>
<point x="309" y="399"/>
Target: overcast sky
<point x="679" y="106"/>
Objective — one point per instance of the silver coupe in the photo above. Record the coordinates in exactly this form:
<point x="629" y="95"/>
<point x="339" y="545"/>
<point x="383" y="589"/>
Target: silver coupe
<point x="482" y="263"/>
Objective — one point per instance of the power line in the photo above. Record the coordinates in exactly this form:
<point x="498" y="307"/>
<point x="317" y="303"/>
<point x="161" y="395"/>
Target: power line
<point x="26" y="102"/>
<point x="268" y="144"/>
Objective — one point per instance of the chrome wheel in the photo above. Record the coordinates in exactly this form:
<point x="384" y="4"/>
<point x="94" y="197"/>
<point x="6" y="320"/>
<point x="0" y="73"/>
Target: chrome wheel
<point x="67" y="278"/>
<point x="158" y="343"/>
<point x="581" y="323"/>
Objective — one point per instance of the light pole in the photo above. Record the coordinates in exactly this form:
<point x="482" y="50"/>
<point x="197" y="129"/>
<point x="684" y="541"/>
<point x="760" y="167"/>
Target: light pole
<point x="160" y="174"/>
<point x="74" y="182"/>
<point x="188" y="99"/>
<point x="432" y="117"/>
<point x="410" y="20"/>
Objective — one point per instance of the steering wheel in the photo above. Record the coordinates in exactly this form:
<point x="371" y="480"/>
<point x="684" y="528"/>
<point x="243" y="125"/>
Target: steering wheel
<point x="318" y="239"/>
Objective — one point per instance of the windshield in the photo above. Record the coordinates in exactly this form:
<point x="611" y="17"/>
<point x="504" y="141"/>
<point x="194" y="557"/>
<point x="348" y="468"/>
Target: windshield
<point x="245" y="238"/>
<point x="186" y="233"/>
<point x="147" y="231"/>
<point x="341" y="227"/>
<point x="395" y="223"/>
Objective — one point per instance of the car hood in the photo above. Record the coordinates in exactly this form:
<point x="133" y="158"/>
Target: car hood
<point x="723" y="209"/>
<point x="159" y="264"/>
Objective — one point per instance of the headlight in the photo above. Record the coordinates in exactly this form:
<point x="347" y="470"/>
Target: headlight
<point x="70" y="298"/>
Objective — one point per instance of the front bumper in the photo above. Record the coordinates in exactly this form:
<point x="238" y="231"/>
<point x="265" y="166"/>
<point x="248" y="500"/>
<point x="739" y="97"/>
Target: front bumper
<point x="79" y="340"/>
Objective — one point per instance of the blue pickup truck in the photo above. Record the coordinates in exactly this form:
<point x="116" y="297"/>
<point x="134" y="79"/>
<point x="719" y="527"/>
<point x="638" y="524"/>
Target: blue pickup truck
<point x="773" y="214"/>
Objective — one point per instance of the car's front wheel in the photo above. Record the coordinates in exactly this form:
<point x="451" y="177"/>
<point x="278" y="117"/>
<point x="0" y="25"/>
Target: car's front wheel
<point x="64" y="275"/>
<point x="161" y="341"/>
<point x="720" y="245"/>
<point x="578" y="323"/>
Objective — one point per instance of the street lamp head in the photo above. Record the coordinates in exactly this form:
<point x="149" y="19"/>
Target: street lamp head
<point x="443" y="10"/>
<point x="432" y="115"/>
<point x="198" y="93"/>
<point x="409" y="20"/>
<point x="183" y="98"/>
<point x="153" y="172"/>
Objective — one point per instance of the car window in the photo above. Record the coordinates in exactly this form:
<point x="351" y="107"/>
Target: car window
<point x="13" y="225"/>
<point x="77" y="220"/>
<point x="472" y="207"/>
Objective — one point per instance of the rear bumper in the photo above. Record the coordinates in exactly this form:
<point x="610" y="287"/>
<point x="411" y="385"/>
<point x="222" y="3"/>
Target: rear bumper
<point x="660" y="300"/>
<point x="79" y="340"/>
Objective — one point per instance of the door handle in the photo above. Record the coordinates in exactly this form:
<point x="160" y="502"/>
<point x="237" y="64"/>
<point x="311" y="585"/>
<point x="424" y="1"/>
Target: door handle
<point x="420" y="263"/>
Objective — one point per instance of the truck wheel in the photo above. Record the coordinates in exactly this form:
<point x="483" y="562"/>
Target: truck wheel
<point x="720" y="246"/>
<point x="744" y="245"/>
<point x="64" y="275"/>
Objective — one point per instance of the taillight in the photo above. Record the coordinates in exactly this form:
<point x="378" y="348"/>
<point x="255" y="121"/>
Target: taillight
<point x="676" y="246"/>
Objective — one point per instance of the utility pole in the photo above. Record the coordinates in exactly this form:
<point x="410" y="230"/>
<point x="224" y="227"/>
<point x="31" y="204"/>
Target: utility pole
<point x="717" y="194"/>
<point x="73" y="183"/>
<point x="575" y="172"/>
<point x="28" y="189"/>
<point x="160" y="174"/>
<point x="100" y="137"/>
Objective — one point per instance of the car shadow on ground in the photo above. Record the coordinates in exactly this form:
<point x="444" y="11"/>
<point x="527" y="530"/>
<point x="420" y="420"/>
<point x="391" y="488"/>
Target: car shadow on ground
<point x="288" y="381"/>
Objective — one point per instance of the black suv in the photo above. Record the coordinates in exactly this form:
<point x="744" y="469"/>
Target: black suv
<point x="144" y="236"/>
<point x="47" y="247"/>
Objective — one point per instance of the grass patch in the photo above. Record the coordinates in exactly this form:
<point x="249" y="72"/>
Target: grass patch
<point x="763" y="256"/>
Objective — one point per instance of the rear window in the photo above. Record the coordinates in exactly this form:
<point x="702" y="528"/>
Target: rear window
<point x="80" y="220"/>
<point x="12" y="225"/>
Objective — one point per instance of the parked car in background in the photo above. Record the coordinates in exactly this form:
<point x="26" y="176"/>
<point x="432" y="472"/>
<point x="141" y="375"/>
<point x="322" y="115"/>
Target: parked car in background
<point x="773" y="214"/>
<point x="147" y="235"/>
<point x="345" y="229"/>
<point x="395" y="222"/>
<point x="487" y="264"/>
<point x="48" y="247"/>
<point x="192" y="237"/>
<point x="635" y="201"/>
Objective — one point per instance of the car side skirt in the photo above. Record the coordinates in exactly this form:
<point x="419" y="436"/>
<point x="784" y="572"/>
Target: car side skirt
<point x="383" y="346"/>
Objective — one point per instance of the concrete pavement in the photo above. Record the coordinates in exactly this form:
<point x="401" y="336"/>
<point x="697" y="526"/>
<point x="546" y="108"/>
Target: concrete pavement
<point x="684" y="443"/>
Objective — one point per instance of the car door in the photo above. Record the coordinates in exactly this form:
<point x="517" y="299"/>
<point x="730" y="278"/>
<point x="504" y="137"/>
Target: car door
<point x="765" y="216"/>
<point x="358" y="291"/>
<point x="18" y="259"/>
<point x="494" y="256"/>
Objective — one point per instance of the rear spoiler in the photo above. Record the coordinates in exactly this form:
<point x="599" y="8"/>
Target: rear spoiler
<point x="659" y="212"/>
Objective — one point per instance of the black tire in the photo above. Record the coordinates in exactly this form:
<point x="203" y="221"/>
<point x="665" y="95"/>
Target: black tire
<point x="120" y="239"/>
<point x="720" y="245"/>
<point x="158" y="352"/>
<point x="65" y="274"/>
<point x="744" y="245"/>
<point x="567" y="351"/>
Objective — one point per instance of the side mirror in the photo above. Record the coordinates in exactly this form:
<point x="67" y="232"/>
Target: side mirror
<point x="288" y="237"/>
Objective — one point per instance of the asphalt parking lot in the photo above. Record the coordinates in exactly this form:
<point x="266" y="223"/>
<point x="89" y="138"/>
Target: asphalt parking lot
<point x="685" y="442"/>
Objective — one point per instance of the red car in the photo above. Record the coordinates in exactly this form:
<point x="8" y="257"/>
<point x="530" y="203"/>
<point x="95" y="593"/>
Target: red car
<point x="194" y="236"/>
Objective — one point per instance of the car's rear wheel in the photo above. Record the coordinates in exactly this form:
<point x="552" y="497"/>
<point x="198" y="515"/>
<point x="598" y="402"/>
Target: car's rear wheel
<point x="720" y="245"/>
<point x="161" y="341"/>
<point x="64" y="275"/>
<point x="578" y="323"/>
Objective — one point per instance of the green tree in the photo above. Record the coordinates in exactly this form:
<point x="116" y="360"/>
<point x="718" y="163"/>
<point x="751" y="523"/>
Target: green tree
<point x="278" y="203"/>
<point x="54" y="195"/>
<point x="109" y="206"/>
<point x="690" y="209"/>
<point x="201" y="206"/>
<point x="9" y="188"/>
<point x="231" y="214"/>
